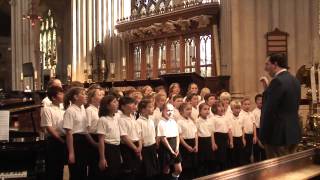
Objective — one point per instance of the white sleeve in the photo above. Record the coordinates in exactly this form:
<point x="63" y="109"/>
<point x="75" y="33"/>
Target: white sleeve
<point x="123" y="127"/>
<point x="102" y="127"/>
<point x="161" y="129"/>
<point x="89" y="117"/>
<point x="46" y="117"/>
<point x="67" y="120"/>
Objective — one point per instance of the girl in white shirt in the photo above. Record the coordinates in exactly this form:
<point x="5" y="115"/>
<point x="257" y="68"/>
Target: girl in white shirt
<point x="51" y="120"/>
<point x="150" y="162"/>
<point x="94" y="97"/>
<point x="248" y="125"/>
<point x="189" y="141"/>
<point x="131" y="143"/>
<point x="109" y="138"/>
<point x="74" y="122"/>
<point x="193" y="100"/>
<point x="169" y="146"/>
<point x="206" y="144"/>
<point x="222" y="135"/>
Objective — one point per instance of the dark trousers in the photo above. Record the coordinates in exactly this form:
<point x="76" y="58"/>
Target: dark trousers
<point x="259" y="154"/>
<point x="248" y="148"/>
<point x="55" y="159"/>
<point x="78" y="170"/>
<point x="237" y="152"/>
<point x="93" y="160"/>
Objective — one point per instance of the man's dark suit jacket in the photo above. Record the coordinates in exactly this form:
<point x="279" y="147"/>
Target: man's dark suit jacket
<point x="279" y="124"/>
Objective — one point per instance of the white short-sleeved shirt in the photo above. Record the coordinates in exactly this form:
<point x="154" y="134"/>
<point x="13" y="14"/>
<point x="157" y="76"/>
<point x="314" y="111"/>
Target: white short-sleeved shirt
<point x="47" y="102"/>
<point x="129" y="127"/>
<point x="237" y="125"/>
<point x="148" y="131"/>
<point x="221" y="124"/>
<point x="248" y="119"/>
<point x="256" y="115"/>
<point x="167" y="128"/>
<point x="75" y="118"/>
<point x="176" y="114"/>
<point x="157" y="115"/>
<point x="92" y="118"/>
<point x="187" y="128"/>
<point x="109" y="126"/>
<point x="194" y="113"/>
<point x="53" y="116"/>
<point x="205" y="127"/>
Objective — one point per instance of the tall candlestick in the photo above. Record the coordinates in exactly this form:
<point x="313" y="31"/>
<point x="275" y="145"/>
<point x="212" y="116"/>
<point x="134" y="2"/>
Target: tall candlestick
<point x="313" y="84"/>
<point x="123" y="61"/>
<point x="21" y="76"/>
<point x="112" y="67"/>
<point x="69" y="70"/>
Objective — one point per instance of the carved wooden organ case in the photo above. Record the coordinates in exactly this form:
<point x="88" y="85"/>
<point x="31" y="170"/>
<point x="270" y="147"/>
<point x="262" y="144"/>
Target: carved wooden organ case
<point x="166" y="36"/>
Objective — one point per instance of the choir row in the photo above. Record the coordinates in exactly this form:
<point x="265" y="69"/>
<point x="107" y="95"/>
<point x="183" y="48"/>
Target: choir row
<point x="147" y="135"/>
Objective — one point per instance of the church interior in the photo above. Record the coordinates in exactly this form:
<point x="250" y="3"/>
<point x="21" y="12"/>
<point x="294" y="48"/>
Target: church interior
<point x="145" y="50"/>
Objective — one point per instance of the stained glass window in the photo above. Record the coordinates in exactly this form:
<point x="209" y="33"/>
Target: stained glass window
<point x="137" y="62"/>
<point x="205" y="55"/>
<point x="162" y="59"/>
<point x="48" y="41"/>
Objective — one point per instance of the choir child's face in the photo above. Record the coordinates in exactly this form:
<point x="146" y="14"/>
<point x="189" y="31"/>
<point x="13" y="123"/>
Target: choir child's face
<point x="176" y="89"/>
<point x="113" y="106"/>
<point x="194" y="101"/>
<point x="259" y="102"/>
<point x="150" y="109"/>
<point x="246" y="105"/>
<point x="98" y="96"/>
<point x="129" y="108"/>
<point x="59" y="97"/>
<point x="81" y="98"/>
<point x="194" y="88"/>
<point x="161" y="101"/>
<point x="211" y="100"/>
<point x="148" y="91"/>
<point x="220" y="110"/>
<point x="205" y="111"/>
<point x="177" y="103"/>
<point x="186" y="112"/>
<point x="236" y="111"/>
<point x="168" y="111"/>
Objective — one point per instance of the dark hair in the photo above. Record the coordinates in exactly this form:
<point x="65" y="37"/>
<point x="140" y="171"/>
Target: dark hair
<point x="207" y="96"/>
<point x="214" y="107"/>
<point x="143" y="104"/>
<point x="76" y="84"/>
<point x="53" y="91"/>
<point x="201" y="106"/>
<point x="190" y="96"/>
<point x="183" y="106"/>
<point x="94" y="86"/>
<point x="105" y="102"/>
<point x="257" y="96"/>
<point x="125" y="100"/>
<point x="69" y="96"/>
<point x="158" y="88"/>
<point x="177" y="97"/>
<point x="279" y="58"/>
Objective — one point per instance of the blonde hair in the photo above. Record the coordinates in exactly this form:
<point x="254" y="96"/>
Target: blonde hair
<point x="204" y="91"/>
<point x="235" y="104"/>
<point x="225" y="95"/>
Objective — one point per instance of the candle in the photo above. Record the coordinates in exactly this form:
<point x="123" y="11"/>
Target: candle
<point x="123" y="61"/>
<point x="103" y="65"/>
<point x="35" y="75"/>
<point x="51" y="73"/>
<point x="318" y="82"/>
<point x="69" y="70"/>
<point x="21" y="76"/>
<point x="112" y="67"/>
<point x="313" y="84"/>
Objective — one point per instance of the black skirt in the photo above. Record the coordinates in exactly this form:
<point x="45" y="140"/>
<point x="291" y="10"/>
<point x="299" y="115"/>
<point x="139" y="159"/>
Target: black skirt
<point x="113" y="158"/>
<point x="221" y="140"/>
<point x="131" y="162"/>
<point x="150" y="162"/>
<point x="166" y="158"/>
<point x="189" y="159"/>
<point x="205" y="152"/>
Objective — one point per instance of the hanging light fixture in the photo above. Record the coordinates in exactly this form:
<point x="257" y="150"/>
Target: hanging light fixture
<point x="32" y="16"/>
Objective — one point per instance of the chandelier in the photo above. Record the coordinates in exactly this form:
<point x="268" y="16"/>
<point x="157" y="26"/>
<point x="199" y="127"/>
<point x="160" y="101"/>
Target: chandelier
<point x="32" y="16"/>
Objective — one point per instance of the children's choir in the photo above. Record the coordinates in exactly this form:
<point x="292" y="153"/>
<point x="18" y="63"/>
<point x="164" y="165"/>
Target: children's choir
<point x="146" y="135"/>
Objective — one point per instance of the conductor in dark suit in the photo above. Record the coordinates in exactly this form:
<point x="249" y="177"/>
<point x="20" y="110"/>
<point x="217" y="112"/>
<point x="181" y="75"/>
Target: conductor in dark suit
<point x="280" y="130"/>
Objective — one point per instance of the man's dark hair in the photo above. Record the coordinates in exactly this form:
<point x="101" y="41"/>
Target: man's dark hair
<point x="279" y="58"/>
